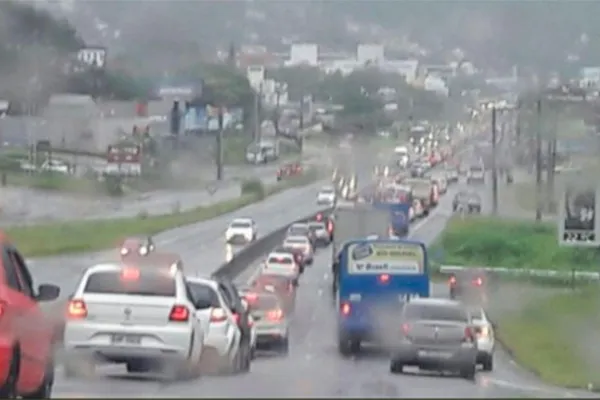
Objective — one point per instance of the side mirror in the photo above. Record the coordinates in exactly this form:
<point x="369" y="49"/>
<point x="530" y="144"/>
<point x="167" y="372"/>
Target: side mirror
<point x="47" y="292"/>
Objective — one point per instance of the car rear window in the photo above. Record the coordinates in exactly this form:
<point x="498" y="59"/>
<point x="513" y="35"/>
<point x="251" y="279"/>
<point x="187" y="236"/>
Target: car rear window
<point x="326" y="191"/>
<point x="298" y="230"/>
<point x="203" y="295"/>
<point x="240" y="224"/>
<point x="435" y="312"/>
<point x="145" y="284"/>
<point x="296" y="241"/>
<point x="280" y="260"/>
<point x="316" y="226"/>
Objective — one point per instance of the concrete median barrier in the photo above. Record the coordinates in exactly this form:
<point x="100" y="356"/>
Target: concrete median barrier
<point x="246" y="257"/>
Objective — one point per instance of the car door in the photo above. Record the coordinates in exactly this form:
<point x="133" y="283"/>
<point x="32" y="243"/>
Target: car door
<point x="200" y="328"/>
<point x="236" y="306"/>
<point x="32" y="331"/>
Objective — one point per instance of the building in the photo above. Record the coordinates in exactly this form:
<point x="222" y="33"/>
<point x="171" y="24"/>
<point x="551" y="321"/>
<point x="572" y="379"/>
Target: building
<point x="304" y="54"/>
<point x="370" y="54"/>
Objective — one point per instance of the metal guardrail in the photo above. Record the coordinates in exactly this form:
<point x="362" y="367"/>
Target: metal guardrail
<point x="251" y="253"/>
<point x="564" y="275"/>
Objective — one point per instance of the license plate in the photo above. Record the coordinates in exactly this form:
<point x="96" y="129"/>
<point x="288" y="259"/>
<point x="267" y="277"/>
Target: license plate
<point x="434" y="354"/>
<point x="126" y="339"/>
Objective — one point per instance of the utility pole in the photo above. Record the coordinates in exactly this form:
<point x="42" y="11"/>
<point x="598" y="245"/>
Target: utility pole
<point x="538" y="162"/>
<point x="219" y="155"/>
<point x="494" y="164"/>
<point x="552" y="159"/>
<point x="257" y="120"/>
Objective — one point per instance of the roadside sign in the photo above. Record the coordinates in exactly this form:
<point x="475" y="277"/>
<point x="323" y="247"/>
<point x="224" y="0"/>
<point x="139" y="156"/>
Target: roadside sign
<point x="124" y="159"/>
<point x="578" y="225"/>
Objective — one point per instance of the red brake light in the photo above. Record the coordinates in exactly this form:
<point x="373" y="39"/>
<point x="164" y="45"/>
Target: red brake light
<point x="218" y="315"/>
<point x="452" y="281"/>
<point x="478" y="282"/>
<point x="384" y="278"/>
<point x="130" y="274"/>
<point x="179" y="314"/>
<point x="76" y="309"/>
<point x="251" y="297"/>
<point x="319" y="217"/>
<point x="330" y="226"/>
<point x="405" y="329"/>
<point x="469" y="336"/>
<point x="236" y="318"/>
<point x="275" y="315"/>
<point x="346" y="309"/>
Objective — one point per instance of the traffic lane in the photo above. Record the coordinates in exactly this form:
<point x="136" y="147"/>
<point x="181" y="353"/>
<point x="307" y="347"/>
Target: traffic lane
<point x="201" y="246"/>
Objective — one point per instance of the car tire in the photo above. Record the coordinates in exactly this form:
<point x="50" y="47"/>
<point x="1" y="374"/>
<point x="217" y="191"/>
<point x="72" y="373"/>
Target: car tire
<point x="8" y="390"/>
<point x="45" y="389"/>
<point x="468" y="371"/>
<point x="488" y="363"/>
<point x="396" y="367"/>
<point x="285" y="346"/>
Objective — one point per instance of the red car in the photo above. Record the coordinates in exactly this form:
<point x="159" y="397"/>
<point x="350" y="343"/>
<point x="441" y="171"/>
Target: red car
<point x="26" y="335"/>
<point x="287" y="170"/>
<point x="136" y="245"/>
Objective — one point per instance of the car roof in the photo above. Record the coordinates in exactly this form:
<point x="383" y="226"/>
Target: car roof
<point x="316" y="223"/>
<point x="303" y="224"/>
<point x="242" y="219"/>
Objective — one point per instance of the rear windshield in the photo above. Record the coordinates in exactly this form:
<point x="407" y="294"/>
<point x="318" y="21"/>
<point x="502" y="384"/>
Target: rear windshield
<point x="317" y="226"/>
<point x="296" y="241"/>
<point x="280" y="260"/>
<point x="240" y="224"/>
<point x="435" y="312"/>
<point x="326" y="191"/>
<point x="203" y="295"/>
<point x="298" y="230"/>
<point x="146" y="284"/>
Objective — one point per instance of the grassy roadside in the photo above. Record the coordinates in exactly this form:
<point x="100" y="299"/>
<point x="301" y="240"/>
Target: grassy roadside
<point x="497" y="242"/>
<point x="86" y="236"/>
<point x="544" y="338"/>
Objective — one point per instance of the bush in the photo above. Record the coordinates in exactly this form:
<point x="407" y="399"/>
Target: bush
<point x="254" y="187"/>
<point x="113" y="185"/>
<point x="510" y="244"/>
<point x="10" y="164"/>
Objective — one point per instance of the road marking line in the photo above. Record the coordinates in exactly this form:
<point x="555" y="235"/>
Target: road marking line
<point x="529" y="388"/>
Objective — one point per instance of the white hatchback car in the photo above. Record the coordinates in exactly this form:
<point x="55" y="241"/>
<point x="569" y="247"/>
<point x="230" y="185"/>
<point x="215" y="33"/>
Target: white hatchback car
<point x="143" y="317"/>
<point x="241" y="230"/>
<point x="223" y="347"/>
<point x="282" y="264"/>
<point x="486" y="342"/>
<point x="326" y="196"/>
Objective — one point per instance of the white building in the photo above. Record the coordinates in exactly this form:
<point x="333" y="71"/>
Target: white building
<point x="370" y="54"/>
<point x="256" y="76"/>
<point x="304" y="54"/>
<point x="409" y="69"/>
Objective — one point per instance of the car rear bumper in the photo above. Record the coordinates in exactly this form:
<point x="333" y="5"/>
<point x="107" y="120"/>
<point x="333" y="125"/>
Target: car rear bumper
<point x="270" y="334"/>
<point x="434" y="357"/>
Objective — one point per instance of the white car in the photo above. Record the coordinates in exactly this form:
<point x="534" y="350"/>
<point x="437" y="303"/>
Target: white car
<point x="271" y="322"/>
<point x="484" y="332"/>
<point x="418" y="210"/>
<point x="141" y="316"/>
<point x="452" y="175"/>
<point x="223" y="346"/>
<point x="326" y="196"/>
<point x="322" y="236"/>
<point x="441" y="183"/>
<point x="302" y="243"/>
<point x="281" y="264"/>
<point x="241" y="230"/>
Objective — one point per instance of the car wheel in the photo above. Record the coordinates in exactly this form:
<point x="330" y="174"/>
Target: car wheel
<point x="396" y="367"/>
<point x="468" y="371"/>
<point x="488" y="362"/>
<point x="8" y="390"/>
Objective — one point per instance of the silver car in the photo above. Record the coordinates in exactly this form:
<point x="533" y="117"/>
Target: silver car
<point x="436" y="334"/>
<point x="270" y="321"/>
<point x="322" y="236"/>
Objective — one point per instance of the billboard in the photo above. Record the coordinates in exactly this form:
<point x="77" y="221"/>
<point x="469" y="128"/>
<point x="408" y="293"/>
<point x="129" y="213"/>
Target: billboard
<point x="577" y="222"/>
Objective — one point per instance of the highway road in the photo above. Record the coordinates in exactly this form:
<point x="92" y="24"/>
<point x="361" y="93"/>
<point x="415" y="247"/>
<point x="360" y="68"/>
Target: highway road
<point x="313" y="368"/>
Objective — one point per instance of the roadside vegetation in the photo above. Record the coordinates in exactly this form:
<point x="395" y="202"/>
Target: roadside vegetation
<point x="497" y="242"/>
<point x="86" y="236"/>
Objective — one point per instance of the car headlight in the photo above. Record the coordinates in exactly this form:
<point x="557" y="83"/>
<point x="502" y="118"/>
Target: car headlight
<point x="143" y="250"/>
<point x="124" y="251"/>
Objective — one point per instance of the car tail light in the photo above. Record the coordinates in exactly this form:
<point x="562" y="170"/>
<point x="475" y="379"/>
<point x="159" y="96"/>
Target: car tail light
<point x="236" y="318"/>
<point x="330" y="226"/>
<point x="319" y="217"/>
<point x="469" y="337"/>
<point x="251" y="297"/>
<point x="250" y="322"/>
<point x="275" y="315"/>
<point x="130" y="274"/>
<point x="346" y="309"/>
<point x="179" y="314"/>
<point x="76" y="309"/>
<point x="384" y="278"/>
<point x="218" y="315"/>
<point x="477" y="282"/>
<point x="405" y="329"/>
<point x="452" y="281"/>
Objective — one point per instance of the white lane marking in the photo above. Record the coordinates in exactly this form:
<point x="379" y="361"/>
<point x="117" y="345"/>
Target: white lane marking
<point x="528" y="388"/>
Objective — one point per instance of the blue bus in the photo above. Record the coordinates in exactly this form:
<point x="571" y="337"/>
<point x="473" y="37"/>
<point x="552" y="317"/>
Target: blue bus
<point x="375" y="278"/>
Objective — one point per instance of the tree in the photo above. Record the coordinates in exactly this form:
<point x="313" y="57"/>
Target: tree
<point x="301" y="80"/>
